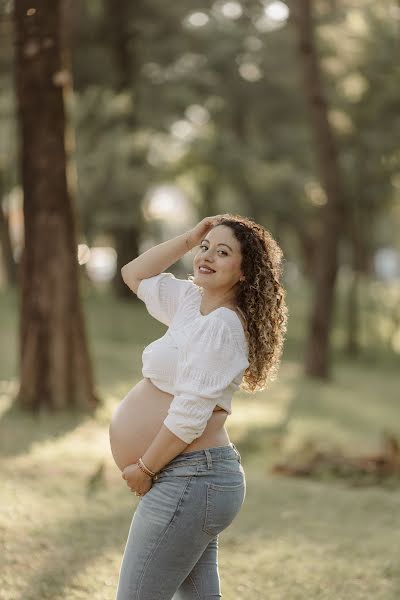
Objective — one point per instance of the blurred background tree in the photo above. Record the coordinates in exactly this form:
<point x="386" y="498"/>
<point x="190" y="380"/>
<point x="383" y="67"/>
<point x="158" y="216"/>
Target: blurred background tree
<point x="179" y="113"/>
<point x="55" y="367"/>
<point x="174" y="111"/>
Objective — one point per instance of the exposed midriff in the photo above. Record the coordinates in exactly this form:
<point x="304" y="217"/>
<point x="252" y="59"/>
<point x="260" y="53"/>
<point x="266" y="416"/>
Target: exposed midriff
<point x="139" y="416"/>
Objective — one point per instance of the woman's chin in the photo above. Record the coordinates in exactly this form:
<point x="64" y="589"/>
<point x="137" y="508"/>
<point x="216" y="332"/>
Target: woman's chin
<point x="200" y="281"/>
<point x="201" y="278"/>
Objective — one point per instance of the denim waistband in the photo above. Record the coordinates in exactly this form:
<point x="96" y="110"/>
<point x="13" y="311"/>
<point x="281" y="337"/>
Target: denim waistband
<point x="207" y="454"/>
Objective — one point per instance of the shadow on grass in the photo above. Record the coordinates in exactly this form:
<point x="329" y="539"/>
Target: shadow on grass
<point x="74" y="543"/>
<point x="352" y="411"/>
<point x="19" y="429"/>
<point x="278" y="514"/>
<point x="356" y="401"/>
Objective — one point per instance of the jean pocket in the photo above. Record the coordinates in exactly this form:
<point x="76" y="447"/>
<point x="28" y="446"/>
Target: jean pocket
<point x="223" y="504"/>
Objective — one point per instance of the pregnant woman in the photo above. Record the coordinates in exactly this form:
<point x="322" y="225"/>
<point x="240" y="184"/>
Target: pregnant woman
<point x="226" y="326"/>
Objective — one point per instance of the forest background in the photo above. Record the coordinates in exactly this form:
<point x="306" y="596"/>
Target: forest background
<point x="123" y="124"/>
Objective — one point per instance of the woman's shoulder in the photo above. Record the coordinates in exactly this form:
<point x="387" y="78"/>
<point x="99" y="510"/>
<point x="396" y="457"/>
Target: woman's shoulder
<point x="168" y="283"/>
<point x="236" y="322"/>
<point x="191" y="293"/>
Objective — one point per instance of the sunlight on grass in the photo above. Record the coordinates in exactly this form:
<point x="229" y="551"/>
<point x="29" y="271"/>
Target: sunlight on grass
<point x="65" y="510"/>
<point x="249" y="411"/>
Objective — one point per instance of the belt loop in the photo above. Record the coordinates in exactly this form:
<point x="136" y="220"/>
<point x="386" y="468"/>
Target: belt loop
<point x="237" y="452"/>
<point x="209" y="459"/>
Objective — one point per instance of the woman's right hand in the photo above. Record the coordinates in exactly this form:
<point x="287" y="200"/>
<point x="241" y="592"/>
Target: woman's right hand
<point x="198" y="233"/>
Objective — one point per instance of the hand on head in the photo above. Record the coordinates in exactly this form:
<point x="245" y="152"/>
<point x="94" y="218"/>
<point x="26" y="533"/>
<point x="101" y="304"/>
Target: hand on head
<point x="198" y="233"/>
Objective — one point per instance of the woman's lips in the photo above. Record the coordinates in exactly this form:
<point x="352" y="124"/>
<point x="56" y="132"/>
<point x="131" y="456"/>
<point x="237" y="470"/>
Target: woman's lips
<point x="205" y="272"/>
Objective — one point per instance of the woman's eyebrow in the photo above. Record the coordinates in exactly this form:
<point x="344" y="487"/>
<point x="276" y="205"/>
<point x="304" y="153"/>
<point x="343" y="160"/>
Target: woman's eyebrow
<point x="220" y="244"/>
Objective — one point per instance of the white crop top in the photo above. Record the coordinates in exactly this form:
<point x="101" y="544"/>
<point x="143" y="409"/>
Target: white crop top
<point x="201" y="359"/>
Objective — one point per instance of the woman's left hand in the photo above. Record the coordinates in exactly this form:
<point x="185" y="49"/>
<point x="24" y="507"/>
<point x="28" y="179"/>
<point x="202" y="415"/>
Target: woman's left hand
<point x="136" y="480"/>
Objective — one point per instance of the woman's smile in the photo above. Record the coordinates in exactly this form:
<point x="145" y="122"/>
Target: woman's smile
<point x="206" y="270"/>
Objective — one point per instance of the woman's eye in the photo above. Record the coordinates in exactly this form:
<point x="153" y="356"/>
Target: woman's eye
<point x="223" y="251"/>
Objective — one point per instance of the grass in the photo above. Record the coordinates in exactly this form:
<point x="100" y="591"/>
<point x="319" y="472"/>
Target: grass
<point x="65" y="510"/>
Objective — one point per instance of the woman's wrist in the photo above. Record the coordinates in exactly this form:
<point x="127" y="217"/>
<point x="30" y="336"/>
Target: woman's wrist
<point x="188" y="240"/>
<point x="145" y="469"/>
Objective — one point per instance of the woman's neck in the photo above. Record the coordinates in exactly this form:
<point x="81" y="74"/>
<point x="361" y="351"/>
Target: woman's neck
<point x="211" y="302"/>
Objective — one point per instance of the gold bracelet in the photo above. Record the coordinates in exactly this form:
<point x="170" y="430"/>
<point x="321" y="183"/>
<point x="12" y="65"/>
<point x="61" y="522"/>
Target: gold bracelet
<point x="145" y="469"/>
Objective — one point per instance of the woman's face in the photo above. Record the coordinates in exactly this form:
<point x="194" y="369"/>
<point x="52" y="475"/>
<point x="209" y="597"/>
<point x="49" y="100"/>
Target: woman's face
<point x="221" y="252"/>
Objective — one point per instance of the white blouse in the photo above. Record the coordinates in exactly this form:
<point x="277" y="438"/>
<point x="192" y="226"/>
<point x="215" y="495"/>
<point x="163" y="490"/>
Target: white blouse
<point x="200" y="359"/>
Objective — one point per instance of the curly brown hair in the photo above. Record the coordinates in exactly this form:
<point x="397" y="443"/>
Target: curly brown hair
<point x="260" y="299"/>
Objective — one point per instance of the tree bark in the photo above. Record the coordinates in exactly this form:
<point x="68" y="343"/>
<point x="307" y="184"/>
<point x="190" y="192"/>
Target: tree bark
<point x="352" y="347"/>
<point x="307" y="246"/>
<point x="127" y="69"/>
<point x="352" y="340"/>
<point x="127" y="248"/>
<point x="358" y="253"/>
<point x="55" y="367"/>
<point x="317" y="363"/>
<point x="9" y="264"/>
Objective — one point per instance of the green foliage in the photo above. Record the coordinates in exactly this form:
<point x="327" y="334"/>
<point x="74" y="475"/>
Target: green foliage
<point x="112" y="173"/>
<point x="250" y="148"/>
<point x="252" y="151"/>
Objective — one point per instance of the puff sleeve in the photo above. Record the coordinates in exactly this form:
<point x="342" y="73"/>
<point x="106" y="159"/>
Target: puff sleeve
<point x="162" y="294"/>
<point x="207" y="365"/>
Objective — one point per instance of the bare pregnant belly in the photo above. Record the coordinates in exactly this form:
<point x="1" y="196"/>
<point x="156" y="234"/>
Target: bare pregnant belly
<point x="139" y="416"/>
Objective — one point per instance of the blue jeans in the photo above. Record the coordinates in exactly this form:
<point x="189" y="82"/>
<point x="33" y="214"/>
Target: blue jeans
<point x="172" y="547"/>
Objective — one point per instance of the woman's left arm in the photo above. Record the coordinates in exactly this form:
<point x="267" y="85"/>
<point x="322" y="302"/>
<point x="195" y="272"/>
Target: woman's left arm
<point x="165" y="446"/>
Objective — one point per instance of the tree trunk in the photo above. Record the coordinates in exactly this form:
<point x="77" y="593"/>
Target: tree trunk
<point x="352" y="341"/>
<point x="125" y="59"/>
<point x="127" y="247"/>
<point x="308" y="251"/>
<point x="56" y="371"/>
<point x="118" y="20"/>
<point x="9" y="264"/>
<point x="317" y="362"/>
<point x="355" y="242"/>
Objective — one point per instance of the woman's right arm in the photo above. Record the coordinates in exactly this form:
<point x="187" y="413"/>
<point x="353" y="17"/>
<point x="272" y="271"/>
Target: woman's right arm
<point x="159" y="258"/>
